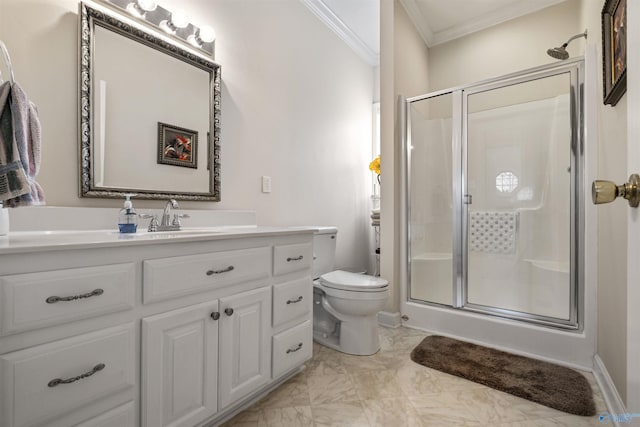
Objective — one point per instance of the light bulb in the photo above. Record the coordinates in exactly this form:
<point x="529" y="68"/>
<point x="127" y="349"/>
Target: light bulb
<point x="207" y="34"/>
<point x="140" y="7"/>
<point x="147" y="5"/>
<point x="135" y="10"/>
<point x="195" y="40"/>
<point x="179" y="19"/>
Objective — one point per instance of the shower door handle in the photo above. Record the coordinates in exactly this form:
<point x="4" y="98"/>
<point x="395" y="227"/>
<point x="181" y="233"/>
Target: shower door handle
<point x="468" y="199"/>
<point x="607" y="191"/>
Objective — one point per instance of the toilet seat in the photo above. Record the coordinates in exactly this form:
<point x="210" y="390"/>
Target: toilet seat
<point x="353" y="282"/>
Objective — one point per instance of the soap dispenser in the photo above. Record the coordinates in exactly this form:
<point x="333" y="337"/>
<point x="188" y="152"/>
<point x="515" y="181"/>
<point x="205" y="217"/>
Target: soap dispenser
<point x="128" y="218"/>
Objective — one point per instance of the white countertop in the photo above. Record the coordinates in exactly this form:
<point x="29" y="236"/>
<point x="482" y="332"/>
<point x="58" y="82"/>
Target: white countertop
<point x="37" y="241"/>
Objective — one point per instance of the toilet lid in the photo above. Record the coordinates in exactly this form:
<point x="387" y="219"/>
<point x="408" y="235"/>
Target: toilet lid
<point x="353" y="281"/>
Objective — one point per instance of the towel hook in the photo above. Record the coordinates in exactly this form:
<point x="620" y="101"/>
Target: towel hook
<point x="7" y="60"/>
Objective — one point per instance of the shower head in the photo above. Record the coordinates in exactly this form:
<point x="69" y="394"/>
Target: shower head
<point x="561" y="52"/>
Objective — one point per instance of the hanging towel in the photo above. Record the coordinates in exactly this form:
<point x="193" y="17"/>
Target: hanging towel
<point x="27" y="134"/>
<point x="13" y="178"/>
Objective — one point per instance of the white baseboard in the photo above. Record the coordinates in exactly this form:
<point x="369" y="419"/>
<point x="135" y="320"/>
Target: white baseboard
<point x="612" y="399"/>
<point x="390" y="320"/>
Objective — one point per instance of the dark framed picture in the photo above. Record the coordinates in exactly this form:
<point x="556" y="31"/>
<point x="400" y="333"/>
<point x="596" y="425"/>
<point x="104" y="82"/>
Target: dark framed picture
<point x="177" y="146"/>
<point x="614" y="50"/>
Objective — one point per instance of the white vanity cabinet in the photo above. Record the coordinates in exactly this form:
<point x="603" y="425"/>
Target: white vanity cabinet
<point x="180" y="366"/>
<point x="245" y="347"/>
<point x="189" y="330"/>
<point x="195" y="354"/>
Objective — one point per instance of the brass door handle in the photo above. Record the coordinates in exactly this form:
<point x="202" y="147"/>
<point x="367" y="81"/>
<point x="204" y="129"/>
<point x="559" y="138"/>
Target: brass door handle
<point x="607" y="191"/>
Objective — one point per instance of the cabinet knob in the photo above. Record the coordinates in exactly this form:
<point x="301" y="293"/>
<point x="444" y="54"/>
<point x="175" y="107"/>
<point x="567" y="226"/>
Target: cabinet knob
<point x="228" y="311"/>
<point x="215" y="315"/>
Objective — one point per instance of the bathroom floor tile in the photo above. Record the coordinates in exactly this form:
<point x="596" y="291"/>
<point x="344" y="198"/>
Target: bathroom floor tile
<point x="376" y="385"/>
<point x="294" y="392"/>
<point x="388" y="389"/>
<point x="331" y="389"/>
<point x="346" y="414"/>
<point x="298" y="416"/>
<point x="391" y="412"/>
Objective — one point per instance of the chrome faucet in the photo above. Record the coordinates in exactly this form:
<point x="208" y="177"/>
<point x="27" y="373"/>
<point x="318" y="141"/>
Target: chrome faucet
<point x="165" y="222"/>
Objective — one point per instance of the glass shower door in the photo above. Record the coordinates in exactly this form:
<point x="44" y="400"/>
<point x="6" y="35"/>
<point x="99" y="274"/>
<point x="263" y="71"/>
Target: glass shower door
<point x="518" y="186"/>
<point x="431" y="205"/>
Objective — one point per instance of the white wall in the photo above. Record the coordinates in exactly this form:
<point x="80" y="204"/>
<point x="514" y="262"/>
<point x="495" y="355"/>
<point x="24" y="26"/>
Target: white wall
<point x="509" y="47"/>
<point x="612" y="221"/>
<point x="403" y="63"/>
<point x="296" y="106"/>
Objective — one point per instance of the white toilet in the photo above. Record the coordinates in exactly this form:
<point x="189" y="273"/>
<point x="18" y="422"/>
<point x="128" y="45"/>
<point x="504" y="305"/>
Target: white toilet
<point x="345" y="304"/>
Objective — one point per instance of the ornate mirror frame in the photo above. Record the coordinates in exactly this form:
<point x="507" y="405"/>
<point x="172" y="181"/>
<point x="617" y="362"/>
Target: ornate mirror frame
<point x="89" y="18"/>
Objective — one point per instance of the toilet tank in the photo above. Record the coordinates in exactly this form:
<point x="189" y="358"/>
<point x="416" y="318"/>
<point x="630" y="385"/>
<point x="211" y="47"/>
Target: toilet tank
<point x="324" y="250"/>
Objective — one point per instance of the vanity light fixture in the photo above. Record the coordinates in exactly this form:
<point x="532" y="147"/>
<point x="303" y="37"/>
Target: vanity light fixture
<point x="175" y="24"/>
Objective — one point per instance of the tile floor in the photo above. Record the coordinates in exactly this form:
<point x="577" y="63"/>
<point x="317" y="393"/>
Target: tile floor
<point x="388" y="389"/>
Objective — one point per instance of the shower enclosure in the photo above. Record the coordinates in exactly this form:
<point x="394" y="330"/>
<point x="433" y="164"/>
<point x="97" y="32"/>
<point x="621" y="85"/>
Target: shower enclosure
<point x="494" y="180"/>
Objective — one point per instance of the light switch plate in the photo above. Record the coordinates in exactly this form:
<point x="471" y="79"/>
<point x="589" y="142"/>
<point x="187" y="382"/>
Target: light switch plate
<point x="266" y="184"/>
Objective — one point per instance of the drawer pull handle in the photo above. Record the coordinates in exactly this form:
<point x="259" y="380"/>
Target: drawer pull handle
<point x="228" y="311"/>
<point x="215" y="315"/>
<point x="293" y="350"/>
<point x="298" y="258"/>
<point x="293" y="301"/>
<point x="99" y="367"/>
<point x="224" y="270"/>
<point x="94" y="293"/>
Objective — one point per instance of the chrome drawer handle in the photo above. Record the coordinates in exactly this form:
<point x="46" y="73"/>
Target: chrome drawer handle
<point x="224" y="270"/>
<point x="298" y="258"/>
<point x="99" y="367"/>
<point x="93" y="293"/>
<point x="293" y="350"/>
<point x="293" y="301"/>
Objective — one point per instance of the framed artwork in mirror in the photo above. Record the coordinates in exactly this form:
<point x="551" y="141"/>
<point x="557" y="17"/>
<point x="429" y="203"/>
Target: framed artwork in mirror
<point x="177" y="146"/>
<point x="614" y="50"/>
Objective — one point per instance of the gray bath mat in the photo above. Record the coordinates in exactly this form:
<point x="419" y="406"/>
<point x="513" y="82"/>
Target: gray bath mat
<point x="541" y="382"/>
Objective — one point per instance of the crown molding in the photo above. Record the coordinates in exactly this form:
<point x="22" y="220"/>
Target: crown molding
<point x="418" y="20"/>
<point x="331" y="20"/>
<point x="476" y="24"/>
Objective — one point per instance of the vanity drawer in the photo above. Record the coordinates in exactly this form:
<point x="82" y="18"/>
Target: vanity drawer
<point x="37" y="300"/>
<point x="122" y="416"/>
<point x="291" y="348"/>
<point x="167" y="278"/>
<point x="91" y="366"/>
<point x="290" y="258"/>
<point x="292" y="300"/>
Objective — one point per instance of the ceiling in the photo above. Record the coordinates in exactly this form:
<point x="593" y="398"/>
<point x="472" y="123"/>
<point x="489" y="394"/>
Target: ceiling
<point x="357" y="22"/>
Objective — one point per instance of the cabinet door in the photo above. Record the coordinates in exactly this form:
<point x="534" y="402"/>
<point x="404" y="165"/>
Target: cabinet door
<point x="179" y="368"/>
<point x="245" y="353"/>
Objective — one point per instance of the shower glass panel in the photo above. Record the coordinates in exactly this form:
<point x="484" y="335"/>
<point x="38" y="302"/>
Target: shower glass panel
<point x="518" y="219"/>
<point x="430" y="199"/>
<point x="494" y="193"/>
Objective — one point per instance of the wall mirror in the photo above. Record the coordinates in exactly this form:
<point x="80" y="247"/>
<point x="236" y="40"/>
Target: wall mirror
<point x="149" y="114"/>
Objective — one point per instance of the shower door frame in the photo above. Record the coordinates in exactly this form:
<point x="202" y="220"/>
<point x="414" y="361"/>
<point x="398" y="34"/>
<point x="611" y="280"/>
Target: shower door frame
<point x="459" y="144"/>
